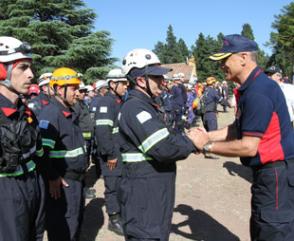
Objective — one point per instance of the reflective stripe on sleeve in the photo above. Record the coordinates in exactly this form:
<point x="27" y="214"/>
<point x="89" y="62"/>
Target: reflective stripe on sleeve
<point x="134" y="157"/>
<point x="30" y="166"/>
<point x="40" y="152"/>
<point x="48" y="142"/>
<point x="87" y="135"/>
<point x="67" y="154"/>
<point x="104" y="122"/>
<point x="152" y="140"/>
<point x="115" y="130"/>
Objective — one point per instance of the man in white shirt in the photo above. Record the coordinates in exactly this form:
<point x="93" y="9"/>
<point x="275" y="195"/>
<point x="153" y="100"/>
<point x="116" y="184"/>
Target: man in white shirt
<point x="275" y="73"/>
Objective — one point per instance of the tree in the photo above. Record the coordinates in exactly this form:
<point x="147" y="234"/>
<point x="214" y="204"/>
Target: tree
<point x="160" y="50"/>
<point x="60" y="33"/>
<point x="173" y="53"/>
<point x="203" y="48"/>
<point x="262" y="58"/>
<point x="282" y="41"/>
<point x="247" y="31"/>
<point x="184" y="51"/>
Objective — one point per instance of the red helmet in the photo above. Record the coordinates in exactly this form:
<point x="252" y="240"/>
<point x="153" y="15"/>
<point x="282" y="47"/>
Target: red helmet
<point x="34" y="89"/>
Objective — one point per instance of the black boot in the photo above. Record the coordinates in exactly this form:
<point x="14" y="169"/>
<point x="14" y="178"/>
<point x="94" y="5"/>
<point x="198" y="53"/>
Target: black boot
<point x="115" y="224"/>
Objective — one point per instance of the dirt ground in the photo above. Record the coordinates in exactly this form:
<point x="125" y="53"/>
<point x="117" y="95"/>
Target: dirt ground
<point x="212" y="201"/>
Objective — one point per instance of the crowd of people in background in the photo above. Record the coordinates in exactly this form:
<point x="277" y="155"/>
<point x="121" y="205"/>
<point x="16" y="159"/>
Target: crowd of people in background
<point x="133" y="126"/>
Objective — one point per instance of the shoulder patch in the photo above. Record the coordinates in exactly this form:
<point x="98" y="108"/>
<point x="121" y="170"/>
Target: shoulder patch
<point x="44" y="124"/>
<point x="103" y="109"/>
<point x="143" y="116"/>
<point x="31" y="105"/>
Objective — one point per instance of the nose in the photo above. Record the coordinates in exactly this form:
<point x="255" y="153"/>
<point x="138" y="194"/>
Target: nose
<point x="30" y="74"/>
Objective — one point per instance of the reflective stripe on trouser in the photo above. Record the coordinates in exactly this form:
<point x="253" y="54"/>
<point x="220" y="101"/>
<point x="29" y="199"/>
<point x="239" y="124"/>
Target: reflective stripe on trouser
<point x="29" y="166"/>
<point x="22" y="208"/>
<point x="147" y="206"/>
<point x="272" y="214"/>
<point x="63" y="215"/>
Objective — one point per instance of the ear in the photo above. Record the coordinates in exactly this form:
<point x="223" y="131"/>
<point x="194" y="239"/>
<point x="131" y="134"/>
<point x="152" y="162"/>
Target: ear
<point x="3" y="72"/>
<point x="141" y="81"/>
<point x="244" y="57"/>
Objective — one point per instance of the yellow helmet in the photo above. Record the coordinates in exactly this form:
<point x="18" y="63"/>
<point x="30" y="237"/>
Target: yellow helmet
<point x="210" y="80"/>
<point x="64" y="76"/>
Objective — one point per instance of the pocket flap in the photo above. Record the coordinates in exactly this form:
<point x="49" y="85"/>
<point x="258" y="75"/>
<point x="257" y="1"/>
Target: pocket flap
<point x="277" y="216"/>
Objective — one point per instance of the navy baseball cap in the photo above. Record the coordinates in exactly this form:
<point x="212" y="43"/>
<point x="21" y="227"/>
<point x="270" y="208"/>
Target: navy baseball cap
<point x="234" y="43"/>
<point x="156" y="70"/>
<point x="273" y="70"/>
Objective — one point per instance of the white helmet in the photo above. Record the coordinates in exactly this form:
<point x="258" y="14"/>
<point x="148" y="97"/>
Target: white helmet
<point x="12" y="49"/>
<point x="89" y="88"/>
<point x="139" y="58"/>
<point x="100" y="84"/>
<point x="116" y="75"/>
<point x="82" y="86"/>
<point x="44" y="79"/>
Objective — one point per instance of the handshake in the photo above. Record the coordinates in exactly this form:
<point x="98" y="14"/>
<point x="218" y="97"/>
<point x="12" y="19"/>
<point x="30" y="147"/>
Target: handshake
<point x="200" y="138"/>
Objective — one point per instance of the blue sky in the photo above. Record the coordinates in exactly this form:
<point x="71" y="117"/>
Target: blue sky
<point x="140" y="24"/>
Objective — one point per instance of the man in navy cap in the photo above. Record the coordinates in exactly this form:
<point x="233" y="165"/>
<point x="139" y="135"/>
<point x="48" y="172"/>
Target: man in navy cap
<point x="262" y="136"/>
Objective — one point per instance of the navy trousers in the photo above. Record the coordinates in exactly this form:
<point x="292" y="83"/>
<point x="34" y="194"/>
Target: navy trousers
<point x="22" y="216"/>
<point x="272" y="216"/>
<point x="63" y="216"/>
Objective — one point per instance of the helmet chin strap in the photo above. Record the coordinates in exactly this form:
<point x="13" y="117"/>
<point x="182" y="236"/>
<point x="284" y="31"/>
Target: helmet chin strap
<point x="63" y="98"/>
<point x="115" y="89"/>
<point x="7" y="81"/>
<point x="147" y="89"/>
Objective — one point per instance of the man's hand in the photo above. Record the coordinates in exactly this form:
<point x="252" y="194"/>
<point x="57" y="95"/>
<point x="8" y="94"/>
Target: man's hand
<point x="111" y="164"/>
<point x="55" y="187"/>
<point x="199" y="137"/>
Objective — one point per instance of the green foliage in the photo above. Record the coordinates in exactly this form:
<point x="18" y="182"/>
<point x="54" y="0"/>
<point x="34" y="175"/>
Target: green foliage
<point x="60" y="33"/>
<point x="247" y="31"/>
<point x="203" y="48"/>
<point x="172" y="51"/>
<point x="282" y="41"/>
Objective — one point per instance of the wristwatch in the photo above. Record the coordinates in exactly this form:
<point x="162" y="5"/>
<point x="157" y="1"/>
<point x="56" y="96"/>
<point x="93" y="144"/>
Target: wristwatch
<point x="207" y="147"/>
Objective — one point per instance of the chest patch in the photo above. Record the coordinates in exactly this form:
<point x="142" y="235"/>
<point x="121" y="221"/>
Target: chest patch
<point x="143" y="116"/>
<point x="44" y="124"/>
<point x="103" y="109"/>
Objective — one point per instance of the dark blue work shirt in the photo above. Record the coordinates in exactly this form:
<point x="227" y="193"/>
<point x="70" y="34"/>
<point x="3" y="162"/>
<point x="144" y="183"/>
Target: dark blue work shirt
<point x="262" y="112"/>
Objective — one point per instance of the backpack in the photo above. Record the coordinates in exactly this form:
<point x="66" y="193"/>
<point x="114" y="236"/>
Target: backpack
<point x="200" y="108"/>
<point x="16" y="137"/>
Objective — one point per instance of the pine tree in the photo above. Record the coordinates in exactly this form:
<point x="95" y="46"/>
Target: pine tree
<point x="184" y="51"/>
<point x="203" y="48"/>
<point x="282" y="41"/>
<point x="160" y="50"/>
<point x="247" y="31"/>
<point x="173" y="53"/>
<point x="262" y="58"/>
<point x="60" y="33"/>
